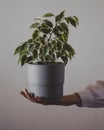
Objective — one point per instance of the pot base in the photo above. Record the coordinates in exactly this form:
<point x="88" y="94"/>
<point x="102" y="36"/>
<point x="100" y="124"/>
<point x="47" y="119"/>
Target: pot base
<point x="50" y="92"/>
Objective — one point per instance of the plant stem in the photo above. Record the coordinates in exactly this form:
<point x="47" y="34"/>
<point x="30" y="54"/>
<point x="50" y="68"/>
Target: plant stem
<point x="50" y="36"/>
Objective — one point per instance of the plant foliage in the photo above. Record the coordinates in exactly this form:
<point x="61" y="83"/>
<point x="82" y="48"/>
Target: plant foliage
<point x="49" y="40"/>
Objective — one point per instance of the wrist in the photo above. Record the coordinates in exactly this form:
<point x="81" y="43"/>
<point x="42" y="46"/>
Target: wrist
<point x="76" y="99"/>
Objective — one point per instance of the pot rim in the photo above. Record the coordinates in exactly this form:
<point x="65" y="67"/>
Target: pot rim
<point x="49" y="64"/>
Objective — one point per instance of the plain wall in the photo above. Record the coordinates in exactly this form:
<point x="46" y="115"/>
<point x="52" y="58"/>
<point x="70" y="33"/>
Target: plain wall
<point x="16" y="113"/>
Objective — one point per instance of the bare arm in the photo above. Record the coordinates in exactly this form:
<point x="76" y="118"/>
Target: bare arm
<point x="66" y="100"/>
<point x="91" y="96"/>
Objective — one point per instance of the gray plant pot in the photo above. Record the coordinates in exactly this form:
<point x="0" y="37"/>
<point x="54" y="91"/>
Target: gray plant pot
<point x="46" y="80"/>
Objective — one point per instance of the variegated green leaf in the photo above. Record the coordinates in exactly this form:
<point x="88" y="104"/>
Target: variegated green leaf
<point x="48" y="15"/>
<point x="65" y="26"/>
<point x="73" y="20"/>
<point x="17" y="50"/>
<point x="35" y="35"/>
<point x="35" y="25"/>
<point x="49" y="23"/>
<point x="22" y="60"/>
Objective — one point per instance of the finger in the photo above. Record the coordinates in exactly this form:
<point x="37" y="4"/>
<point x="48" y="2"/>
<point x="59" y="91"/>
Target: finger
<point x="24" y="93"/>
<point x="30" y="95"/>
<point x="27" y="92"/>
<point x="38" y="100"/>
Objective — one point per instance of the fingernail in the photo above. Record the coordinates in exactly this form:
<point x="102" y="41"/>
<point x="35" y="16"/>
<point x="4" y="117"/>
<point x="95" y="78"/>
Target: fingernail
<point x="32" y="95"/>
<point x="25" y="89"/>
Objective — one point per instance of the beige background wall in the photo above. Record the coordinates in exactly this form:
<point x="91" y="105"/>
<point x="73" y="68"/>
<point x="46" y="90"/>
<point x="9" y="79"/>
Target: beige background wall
<point x="16" y="113"/>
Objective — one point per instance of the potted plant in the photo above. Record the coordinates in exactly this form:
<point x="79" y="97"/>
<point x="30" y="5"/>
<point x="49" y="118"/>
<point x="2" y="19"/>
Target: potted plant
<point x="46" y="53"/>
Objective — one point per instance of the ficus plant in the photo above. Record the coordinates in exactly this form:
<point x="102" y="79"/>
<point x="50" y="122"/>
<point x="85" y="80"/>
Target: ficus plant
<point x="49" y="40"/>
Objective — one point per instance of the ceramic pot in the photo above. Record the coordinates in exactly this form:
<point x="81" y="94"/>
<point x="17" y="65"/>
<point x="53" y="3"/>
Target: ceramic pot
<point x="46" y="80"/>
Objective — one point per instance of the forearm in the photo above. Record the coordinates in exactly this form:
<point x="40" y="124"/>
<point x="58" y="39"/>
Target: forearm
<point x="67" y="100"/>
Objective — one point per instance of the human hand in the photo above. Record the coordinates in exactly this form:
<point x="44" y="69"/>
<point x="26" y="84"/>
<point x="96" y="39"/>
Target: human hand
<point x="66" y="100"/>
